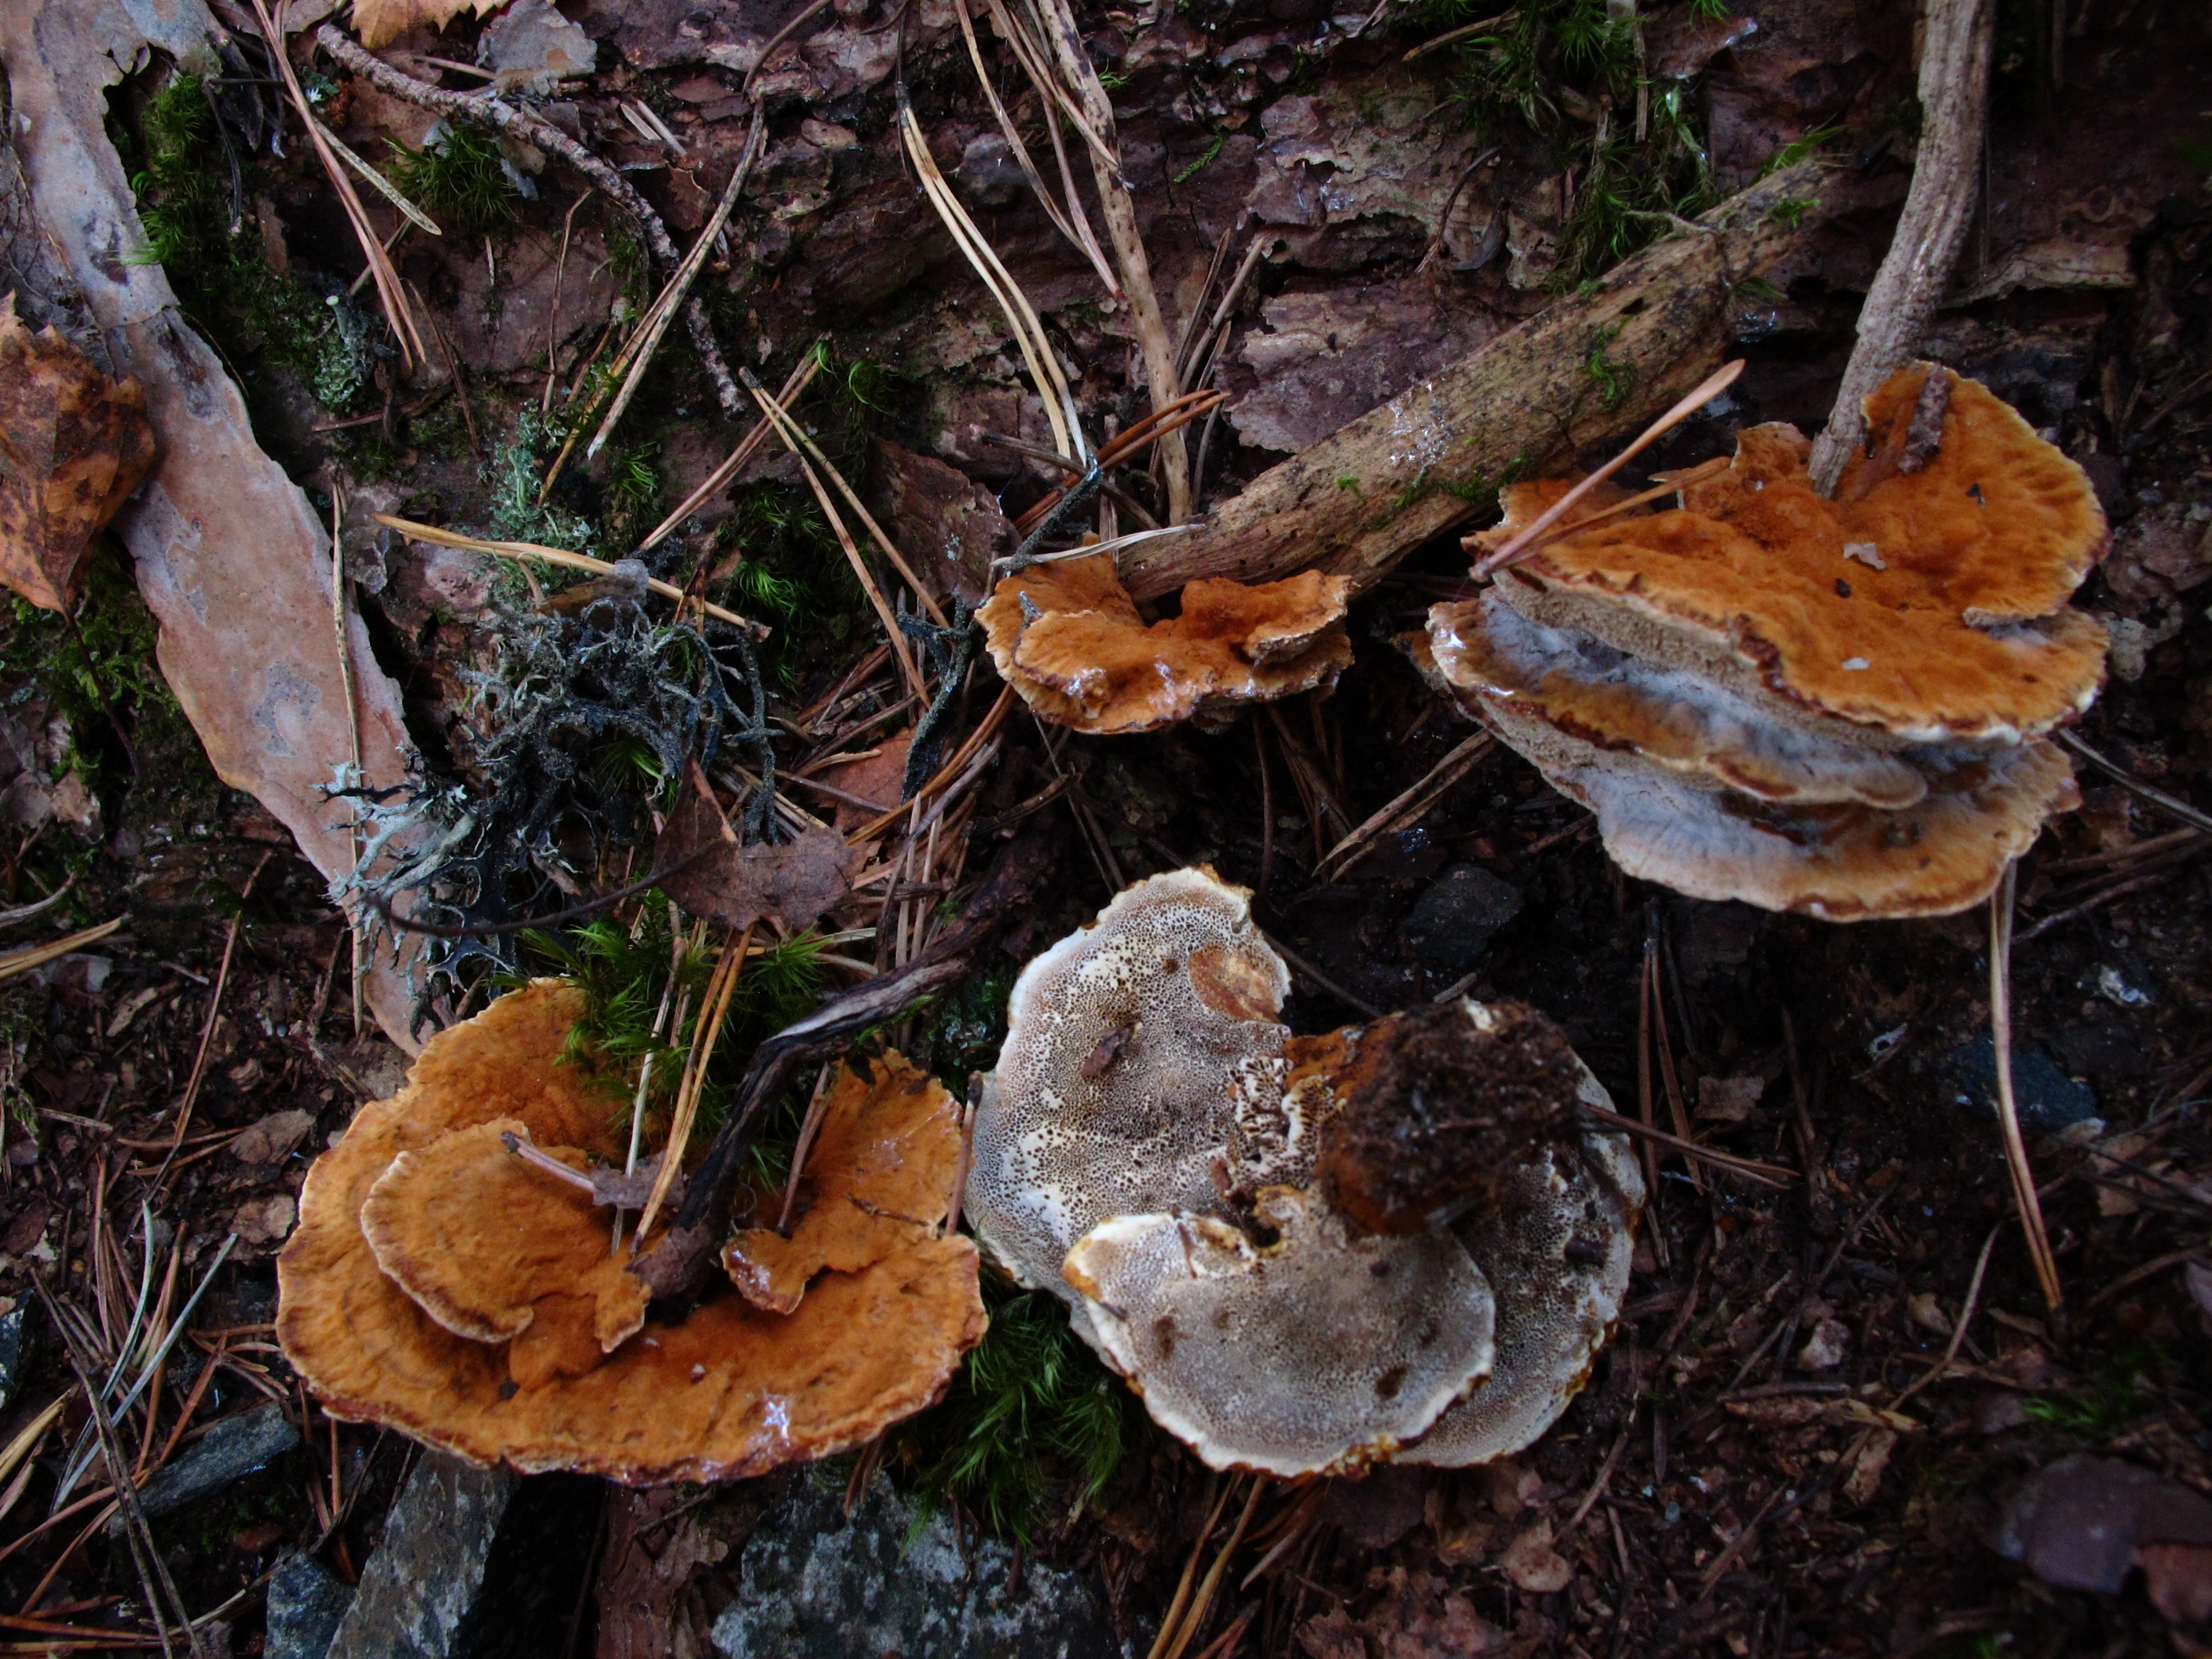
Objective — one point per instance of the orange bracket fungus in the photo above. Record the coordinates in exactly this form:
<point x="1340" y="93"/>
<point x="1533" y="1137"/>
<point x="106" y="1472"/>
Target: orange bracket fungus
<point x="1838" y="707"/>
<point x="448" y="1279"/>
<point x="1308" y="1254"/>
<point x="1065" y="635"/>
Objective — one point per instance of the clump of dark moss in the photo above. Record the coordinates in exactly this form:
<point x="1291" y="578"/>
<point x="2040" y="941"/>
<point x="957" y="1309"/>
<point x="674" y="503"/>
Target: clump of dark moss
<point x="580" y="726"/>
<point x="1033" y="1422"/>
<point x="460" y="178"/>
<point x="1565" y="74"/>
<point x="191" y="185"/>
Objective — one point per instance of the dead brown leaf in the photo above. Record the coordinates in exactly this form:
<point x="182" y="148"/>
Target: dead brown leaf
<point x="1533" y="1565"/>
<point x="379" y="23"/>
<point x="1420" y="1616"/>
<point x="1865" y="1478"/>
<point x="73" y="444"/>
<point x="272" y="1138"/>
<point x="738" y="885"/>
<point x="265" y="1220"/>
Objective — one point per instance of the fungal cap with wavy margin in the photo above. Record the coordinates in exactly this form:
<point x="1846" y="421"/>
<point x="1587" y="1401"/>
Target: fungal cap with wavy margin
<point x="878" y="1179"/>
<point x="1317" y="1353"/>
<point x="1928" y="605"/>
<point x="1068" y="637"/>
<point x="732" y="1392"/>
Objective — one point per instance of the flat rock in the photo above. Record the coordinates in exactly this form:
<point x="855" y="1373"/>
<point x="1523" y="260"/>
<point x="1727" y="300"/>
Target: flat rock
<point x="818" y="1587"/>
<point x="234" y="1447"/>
<point x="423" y="1578"/>
<point x="306" y="1604"/>
<point x="1456" y="919"/>
<point x="2046" y="1098"/>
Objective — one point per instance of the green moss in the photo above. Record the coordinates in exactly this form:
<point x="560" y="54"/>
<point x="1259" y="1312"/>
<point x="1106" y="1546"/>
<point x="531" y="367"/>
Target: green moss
<point x="1032" y="1420"/>
<point x="460" y="178"/>
<point x="182" y="181"/>
<point x="1212" y="151"/>
<point x="1548" y="69"/>
<point x="102" y="666"/>
<point x="1613" y="380"/>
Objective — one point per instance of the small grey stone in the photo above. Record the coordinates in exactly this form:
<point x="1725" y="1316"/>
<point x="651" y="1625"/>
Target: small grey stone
<point x="818" y="1587"/>
<point x="988" y="172"/>
<point x="425" y="1576"/>
<point x="2046" y="1098"/>
<point x="234" y="1447"/>
<point x="305" y="1602"/>
<point x="1457" y="916"/>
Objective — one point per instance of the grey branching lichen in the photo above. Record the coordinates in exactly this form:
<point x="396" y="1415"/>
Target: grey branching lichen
<point x="582" y="724"/>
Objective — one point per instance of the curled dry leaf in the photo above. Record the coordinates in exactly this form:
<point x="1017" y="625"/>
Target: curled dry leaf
<point x="736" y="885"/>
<point x="878" y="1179"/>
<point x="1418" y="1616"/>
<point x="1533" y="1565"/>
<point x="732" y="1391"/>
<point x="1068" y="637"/>
<point x="73" y="444"/>
<point x="379" y="23"/>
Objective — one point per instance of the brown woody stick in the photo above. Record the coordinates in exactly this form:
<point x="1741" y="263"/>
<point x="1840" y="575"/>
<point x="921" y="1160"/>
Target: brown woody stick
<point x="1954" y="89"/>
<point x="1436" y="453"/>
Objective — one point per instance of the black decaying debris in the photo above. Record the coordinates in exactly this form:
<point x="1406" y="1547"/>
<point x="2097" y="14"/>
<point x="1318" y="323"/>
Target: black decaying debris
<point x="1440" y="1110"/>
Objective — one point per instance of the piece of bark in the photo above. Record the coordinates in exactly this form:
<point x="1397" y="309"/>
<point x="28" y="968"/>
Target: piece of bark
<point x="1356" y="502"/>
<point x="1954" y="94"/>
<point x="231" y="558"/>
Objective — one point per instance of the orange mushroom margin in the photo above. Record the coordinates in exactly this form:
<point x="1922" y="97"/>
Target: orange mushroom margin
<point x="1065" y="635"/>
<point x="733" y="1391"/>
<point x="1835" y="707"/>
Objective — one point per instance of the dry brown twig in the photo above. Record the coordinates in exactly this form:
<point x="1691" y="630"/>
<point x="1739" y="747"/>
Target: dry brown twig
<point x="1946" y="173"/>
<point x="2015" y="1147"/>
<point x="732" y="465"/>
<point x="393" y="298"/>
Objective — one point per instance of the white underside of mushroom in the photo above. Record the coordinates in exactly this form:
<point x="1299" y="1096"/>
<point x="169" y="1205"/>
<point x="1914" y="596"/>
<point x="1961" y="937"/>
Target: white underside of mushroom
<point x="1057" y="1151"/>
<point x="1555" y="1313"/>
<point x="1317" y="1354"/>
<point x="1131" y="1091"/>
<point x="1724" y="738"/>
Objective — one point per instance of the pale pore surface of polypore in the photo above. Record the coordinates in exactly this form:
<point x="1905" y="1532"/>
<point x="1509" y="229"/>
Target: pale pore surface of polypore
<point x="1557" y="1254"/>
<point x="1315" y="1354"/>
<point x="486" y="1244"/>
<point x="1111" y="1095"/>
<point x="1068" y="637"/>
<point x="732" y="1392"/>
<point x="1750" y="583"/>
<point x="1603" y="698"/>
<point x="1984" y="806"/>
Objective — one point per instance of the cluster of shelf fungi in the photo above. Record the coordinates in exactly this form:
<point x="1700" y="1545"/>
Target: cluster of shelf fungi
<point x="1402" y="1240"/>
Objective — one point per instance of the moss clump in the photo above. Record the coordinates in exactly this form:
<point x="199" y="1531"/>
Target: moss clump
<point x="1565" y="74"/>
<point x="459" y="177"/>
<point x="1032" y="1420"/>
<point x="191" y="189"/>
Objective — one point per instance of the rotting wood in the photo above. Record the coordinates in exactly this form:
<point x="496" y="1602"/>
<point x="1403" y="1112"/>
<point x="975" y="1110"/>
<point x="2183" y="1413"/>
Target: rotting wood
<point x="1357" y="502"/>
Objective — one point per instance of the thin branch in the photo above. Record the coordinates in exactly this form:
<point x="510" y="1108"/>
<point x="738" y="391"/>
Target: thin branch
<point x="2015" y="1147"/>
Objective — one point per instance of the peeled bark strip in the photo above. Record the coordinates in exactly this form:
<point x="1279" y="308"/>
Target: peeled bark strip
<point x="230" y="556"/>
<point x="1954" y="96"/>
<point x="1356" y="502"/>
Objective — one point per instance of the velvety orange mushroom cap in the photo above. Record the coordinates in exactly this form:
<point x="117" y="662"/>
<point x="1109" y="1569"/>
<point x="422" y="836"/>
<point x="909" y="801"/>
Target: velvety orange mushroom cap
<point x="732" y="1391"/>
<point x="1068" y="637"/>
<point x="1927" y="605"/>
<point x="496" y="1250"/>
<point x="878" y="1179"/>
